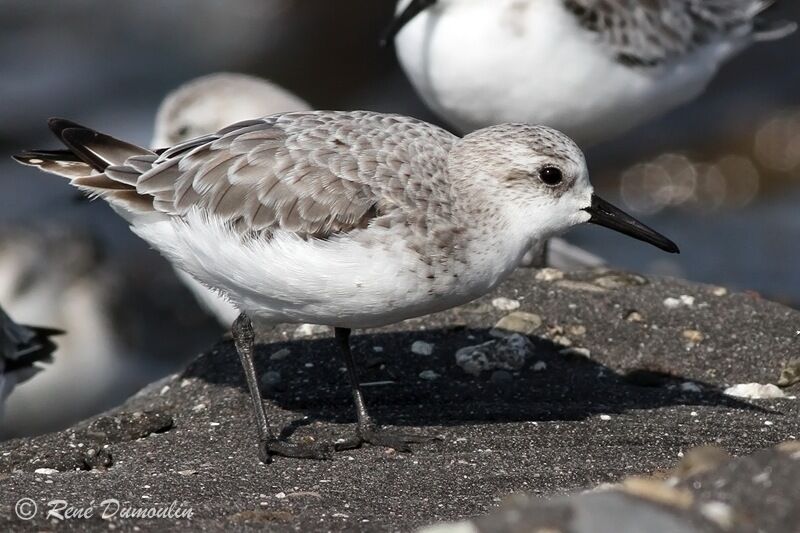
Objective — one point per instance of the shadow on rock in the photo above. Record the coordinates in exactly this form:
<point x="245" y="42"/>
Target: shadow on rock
<point x="407" y="388"/>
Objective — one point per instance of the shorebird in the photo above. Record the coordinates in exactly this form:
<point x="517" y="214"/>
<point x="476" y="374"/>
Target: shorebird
<point x="590" y="68"/>
<point x="345" y="219"/>
<point x="21" y="348"/>
<point x="205" y="105"/>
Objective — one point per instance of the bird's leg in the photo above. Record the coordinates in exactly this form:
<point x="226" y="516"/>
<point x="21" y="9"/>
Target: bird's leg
<point x="268" y="443"/>
<point x="367" y="431"/>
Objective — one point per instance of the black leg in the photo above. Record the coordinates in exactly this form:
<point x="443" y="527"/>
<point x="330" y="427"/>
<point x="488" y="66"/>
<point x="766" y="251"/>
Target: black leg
<point x="268" y="444"/>
<point x="367" y="431"/>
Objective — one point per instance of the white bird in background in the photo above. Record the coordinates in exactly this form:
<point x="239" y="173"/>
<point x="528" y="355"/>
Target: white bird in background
<point x="590" y="68"/>
<point x="205" y="105"/>
<point x="345" y="219"/>
<point x="21" y="348"/>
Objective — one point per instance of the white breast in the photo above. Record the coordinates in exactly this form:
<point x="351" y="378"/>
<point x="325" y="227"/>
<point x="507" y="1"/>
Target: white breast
<point x="483" y="63"/>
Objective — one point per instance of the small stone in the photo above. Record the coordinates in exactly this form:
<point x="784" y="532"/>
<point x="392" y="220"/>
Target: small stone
<point x="634" y="316"/>
<point x="562" y="340"/>
<point x="619" y="280"/>
<point x="429" y="375"/>
<point x="377" y="349"/>
<point x="501" y="377"/>
<point x="719" y="291"/>
<point x="281" y="495"/>
<point x="689" y="386"/>
<point x="283" y="353"/>
<point x="199" y="407"/>
<point x="755" y="391"/>
<point x="577" y="330"/>
<point x="539" y="366"/>
<point x="694" y="336"/>
<point x="790" y="374"/>
<point x="309" y="330"/>
<point x="576" y="352"/>
<point x="164" y="390"/>
<point x="549" y="274"/>
<point x="580" y="286"/>
<point x="657" y="491"/>
<point x="682" y="301"/>
<point x="605" y="417"/>
<point x="505" y="304"/>
<point x="46" y="471"/>
<point x="508" y="353"/>
<point x="700" y="460"/>
<point x="422" y="348"/>
<point x="187" y="472"/>
<point x="271" y="378"/>
<point x="517" y="322"/>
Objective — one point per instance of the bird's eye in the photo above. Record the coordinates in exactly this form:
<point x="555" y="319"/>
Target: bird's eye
<point x="551" y="176"/>
<point x="183" y="131"/>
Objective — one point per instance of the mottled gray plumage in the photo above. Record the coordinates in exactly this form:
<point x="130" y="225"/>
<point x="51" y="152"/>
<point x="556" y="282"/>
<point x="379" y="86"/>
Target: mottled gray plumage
<point x="648" y="33"/>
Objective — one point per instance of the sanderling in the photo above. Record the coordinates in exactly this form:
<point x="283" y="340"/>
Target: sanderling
<point x="590" y="68"/>
<point x="345" y="219"/>
<point x="205" y="105"/>
<point x="21" y="347"/>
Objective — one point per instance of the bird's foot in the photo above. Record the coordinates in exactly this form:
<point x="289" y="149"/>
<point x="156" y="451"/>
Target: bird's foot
<point x="267" y="449"/>
<point x="382" y="437"/>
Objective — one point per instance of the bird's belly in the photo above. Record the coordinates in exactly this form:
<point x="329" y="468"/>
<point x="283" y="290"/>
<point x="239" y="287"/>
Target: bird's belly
<point x="338" y="282"/>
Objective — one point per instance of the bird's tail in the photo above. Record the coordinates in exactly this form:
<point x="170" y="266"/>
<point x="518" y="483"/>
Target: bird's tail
<point x="768" y="30"/>
<point x="90" y="157"/>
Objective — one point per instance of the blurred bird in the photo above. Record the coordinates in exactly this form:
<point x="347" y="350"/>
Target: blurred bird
<point x="590" y="68"/>
<point x="21" y="348"/>
<point x="205" y="105"/>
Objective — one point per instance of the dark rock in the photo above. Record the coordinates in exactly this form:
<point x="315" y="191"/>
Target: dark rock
<point x="576" y="425"/>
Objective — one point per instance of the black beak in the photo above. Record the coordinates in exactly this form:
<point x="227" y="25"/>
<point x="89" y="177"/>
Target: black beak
<point x="605" y="214"/>
<point x="412" y="10"/>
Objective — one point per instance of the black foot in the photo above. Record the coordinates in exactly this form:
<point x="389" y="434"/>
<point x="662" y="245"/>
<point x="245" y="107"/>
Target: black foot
<point x="315" y="450"/>
<point x="382" y="437"/>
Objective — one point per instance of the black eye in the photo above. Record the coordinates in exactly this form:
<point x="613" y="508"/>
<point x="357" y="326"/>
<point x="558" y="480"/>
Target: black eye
<point x="183" y="131"/>
<point x="551" y="175"/>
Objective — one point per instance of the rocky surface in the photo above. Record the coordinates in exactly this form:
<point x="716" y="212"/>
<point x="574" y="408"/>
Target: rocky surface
<point x="621" y="377"/>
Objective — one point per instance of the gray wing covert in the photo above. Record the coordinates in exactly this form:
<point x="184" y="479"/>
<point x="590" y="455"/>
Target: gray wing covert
<point x="312" y="173"/>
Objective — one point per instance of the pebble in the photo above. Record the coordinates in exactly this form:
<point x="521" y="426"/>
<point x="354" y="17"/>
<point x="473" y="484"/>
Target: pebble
<point x="422" y="348"/>
<point x="719" y="291"/>
<point x="270" y="378"/>
<point x="187" y="472"/>
<point x="505" y="304"/>
<point x="549" y="274"/>
<point x="689" y="386"/>
<point x="429" y="375"/>
<point x="790" y="374"/>
<point x="501" y="377"/>
<point x="634" y="316"/>
<point x="618" y="281"/>
<point x="539" y="366"/>
<point x="577" y="330"/>
<point x="46" y="471"/>
<point x="517" y="322"/>
<point x="199" y="407"/>
<point x="755" y="391"/>
<point x="580" y="286"/>
<point x="605" y="417"/>
<point x="694" y="336"/>
<point x="283" y="353"/>
<point x="508" y="353"/>
<point x="309" y="330"/>
<point x="684" y="300"/>
<point x="579" y="352"/>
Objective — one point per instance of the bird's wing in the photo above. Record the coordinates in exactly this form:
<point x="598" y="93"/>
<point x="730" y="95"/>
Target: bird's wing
<point x="654" y="32"/>
<point x="21" y="346"/>
<point x="313" y="173"/>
